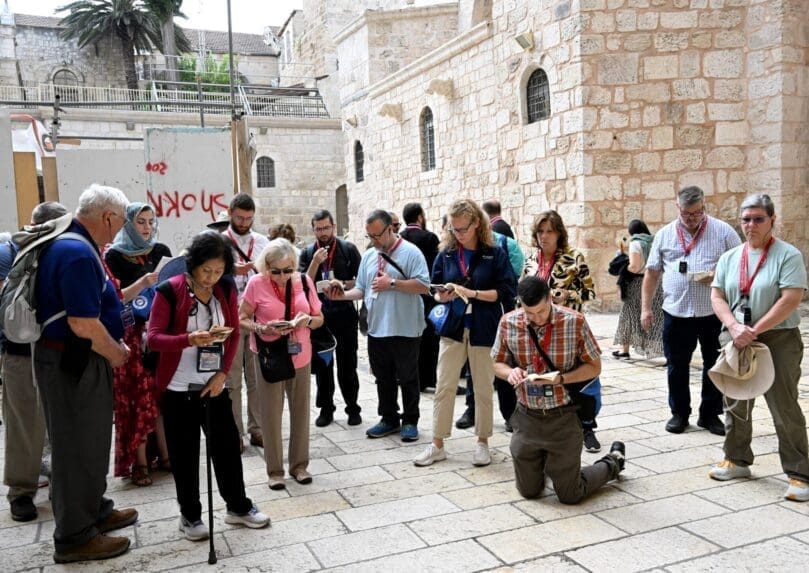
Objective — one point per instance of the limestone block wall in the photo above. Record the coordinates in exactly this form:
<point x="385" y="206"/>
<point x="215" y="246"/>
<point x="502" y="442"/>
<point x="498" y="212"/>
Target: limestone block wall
<point x="41" y="53"/>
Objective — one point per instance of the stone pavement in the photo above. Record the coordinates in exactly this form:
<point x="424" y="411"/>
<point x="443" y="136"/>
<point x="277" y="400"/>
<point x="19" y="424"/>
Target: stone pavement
<point x="370" y="509"/>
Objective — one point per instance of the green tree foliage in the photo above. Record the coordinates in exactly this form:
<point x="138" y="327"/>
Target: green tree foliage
<point x="212" y="72"/>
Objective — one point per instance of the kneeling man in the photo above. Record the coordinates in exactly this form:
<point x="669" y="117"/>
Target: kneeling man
<point x="538" y="338"/>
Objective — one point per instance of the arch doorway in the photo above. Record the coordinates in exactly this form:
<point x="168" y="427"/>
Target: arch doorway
<point x="341" y="210"/>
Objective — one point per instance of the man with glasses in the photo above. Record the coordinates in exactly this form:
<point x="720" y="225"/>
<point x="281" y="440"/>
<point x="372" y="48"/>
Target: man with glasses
<point x="332" y="258"/>
<point x="685" y="253"/>
<point x="247" y="245"/>
<point x="390" y="280"/>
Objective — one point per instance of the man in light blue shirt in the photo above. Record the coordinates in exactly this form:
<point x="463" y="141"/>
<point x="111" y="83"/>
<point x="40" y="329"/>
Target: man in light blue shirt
<point x="391" y="277"/>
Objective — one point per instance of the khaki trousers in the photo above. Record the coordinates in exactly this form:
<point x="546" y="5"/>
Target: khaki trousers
<point x="271" y="412"/>
<point x="25" y="427"/>
<point x="786" y="348"/>
<point x="451" y="357"/>
<point x="244" y="362"/>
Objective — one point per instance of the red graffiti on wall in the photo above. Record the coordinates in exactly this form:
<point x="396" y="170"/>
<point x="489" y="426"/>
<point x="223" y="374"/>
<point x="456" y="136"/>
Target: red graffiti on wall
<point x="175" y="203"/>
<point x="157" y="167"/>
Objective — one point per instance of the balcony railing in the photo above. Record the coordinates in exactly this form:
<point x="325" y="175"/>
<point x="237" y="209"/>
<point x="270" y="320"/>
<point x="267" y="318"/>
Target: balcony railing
<point x="253" y="100"/>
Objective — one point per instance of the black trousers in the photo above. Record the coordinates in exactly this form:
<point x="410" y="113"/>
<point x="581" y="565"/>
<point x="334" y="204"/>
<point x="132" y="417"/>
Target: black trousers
<point x="393" y="360"/>
<point x="344" y="327"/>
<point x="183" y="416"/>
<point x="78" y="415"/>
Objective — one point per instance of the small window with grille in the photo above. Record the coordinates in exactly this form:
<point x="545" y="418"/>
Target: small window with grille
<point x="427" y="140"/>
<point x="265" y="172"/>
<point x="359" y="162"/>
<point x="537" y="94"/>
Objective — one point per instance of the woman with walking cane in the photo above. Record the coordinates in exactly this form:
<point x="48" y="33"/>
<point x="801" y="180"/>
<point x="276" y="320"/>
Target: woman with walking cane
<point x="192" y="317"/>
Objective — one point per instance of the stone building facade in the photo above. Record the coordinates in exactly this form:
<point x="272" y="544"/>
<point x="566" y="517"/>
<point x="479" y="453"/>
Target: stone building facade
<point x="646" y="96"/>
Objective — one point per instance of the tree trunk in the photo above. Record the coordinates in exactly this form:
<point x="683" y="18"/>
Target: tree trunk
<point x="130" y="72"/>
<point x="169" y="49"/>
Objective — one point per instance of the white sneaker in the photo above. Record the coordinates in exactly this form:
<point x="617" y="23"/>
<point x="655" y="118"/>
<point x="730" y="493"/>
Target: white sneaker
<point x="193" y="531"/>
<point x="430" y="455"/>
<point x="481" y="457"/>
<point x="727" y="470"/>
<point x="253" y="519"/>
<point x="797" y="491"/>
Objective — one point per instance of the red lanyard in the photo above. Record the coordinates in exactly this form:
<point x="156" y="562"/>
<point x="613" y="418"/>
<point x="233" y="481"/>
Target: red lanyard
<point x="746" y="283"/>
<point x="536" y="358"/>
<point x="544" y="271"/>
<point x="143" y="261"/>
<point x="249" y="250"/>
<point x="462" y="263"/>
<point x="381" y="263"/>
<point x="688" y="248"/>
<point x="282" y="297"/>
<point x="414" y="227"/>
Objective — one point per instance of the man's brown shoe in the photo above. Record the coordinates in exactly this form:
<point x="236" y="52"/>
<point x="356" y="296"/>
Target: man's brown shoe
<point x="99" y="547"/>
<point x="117" y="519"/>
<point x="257" y="440"/>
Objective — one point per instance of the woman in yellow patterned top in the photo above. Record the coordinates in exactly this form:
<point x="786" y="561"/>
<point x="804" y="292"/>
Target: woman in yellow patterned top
<point x="561" y="266"/>
<point x="568" y="276"/>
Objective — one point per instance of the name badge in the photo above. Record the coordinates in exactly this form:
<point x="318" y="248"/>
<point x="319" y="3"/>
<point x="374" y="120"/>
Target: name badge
<point x="683" y="267"/>
<point x="209" y="358"/>
<point x="293" y="346"/>
<point x="127" y="316"/>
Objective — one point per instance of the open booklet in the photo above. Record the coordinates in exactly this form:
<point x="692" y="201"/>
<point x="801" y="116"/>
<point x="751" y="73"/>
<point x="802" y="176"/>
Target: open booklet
<point x="541" y="379"/>
<point x="220" y="333"/>
<point x="322" y="286"/>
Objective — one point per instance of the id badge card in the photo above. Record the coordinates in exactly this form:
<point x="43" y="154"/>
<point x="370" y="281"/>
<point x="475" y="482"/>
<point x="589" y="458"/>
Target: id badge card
<point x="293" y="346"/>
<point x="209" y="358"/>
<point x="743" y="314"/>
<point x="128" y="316"/>
<point x="683" y="268"/>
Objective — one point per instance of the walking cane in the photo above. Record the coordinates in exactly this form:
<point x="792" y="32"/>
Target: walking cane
<point x="211" y="550"/>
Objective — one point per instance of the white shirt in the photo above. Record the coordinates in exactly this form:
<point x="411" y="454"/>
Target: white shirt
<point x="186" y="372"/>
<point x="258" y="243"/>
<point x="684" y="298"/>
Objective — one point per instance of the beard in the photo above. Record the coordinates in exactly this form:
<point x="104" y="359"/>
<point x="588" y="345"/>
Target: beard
<point x="240" y="230"/>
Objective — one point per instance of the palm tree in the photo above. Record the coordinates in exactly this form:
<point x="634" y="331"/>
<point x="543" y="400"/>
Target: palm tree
<point x="174" y="40"/>
<point x="89" y="21"/>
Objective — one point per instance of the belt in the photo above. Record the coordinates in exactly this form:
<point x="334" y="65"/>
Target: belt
<point x="52" y="344"/>
<point x="558" y="411"/>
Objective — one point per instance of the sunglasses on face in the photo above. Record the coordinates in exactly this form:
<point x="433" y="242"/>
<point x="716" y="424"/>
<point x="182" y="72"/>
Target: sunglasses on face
<point x="277" y="272"/>
<point x="758" y="220"/>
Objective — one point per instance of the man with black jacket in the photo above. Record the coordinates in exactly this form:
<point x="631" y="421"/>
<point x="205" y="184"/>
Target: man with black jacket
<point x="330" y="257"/>
<point x="492" y="209"/>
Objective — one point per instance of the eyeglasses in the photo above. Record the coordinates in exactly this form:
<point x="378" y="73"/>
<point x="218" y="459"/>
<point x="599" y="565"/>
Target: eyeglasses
<point x="758" y="220"/>
<point x="243" y="220"/>
<point x="692" y="214"/>
<point x="287" y="271"/>
<point x="460" y="230"/>
<point x="378" y="235"/>
<point x="323" y="229"/>
<point x="396" y="226"/>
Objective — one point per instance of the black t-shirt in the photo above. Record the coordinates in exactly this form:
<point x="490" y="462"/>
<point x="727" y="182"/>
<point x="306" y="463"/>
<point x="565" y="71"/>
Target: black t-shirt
<point x="346" y="265"/>
<point x="129" y="269"/>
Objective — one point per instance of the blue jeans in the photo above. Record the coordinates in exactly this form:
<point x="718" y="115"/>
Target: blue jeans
<point x="680" y="337"/>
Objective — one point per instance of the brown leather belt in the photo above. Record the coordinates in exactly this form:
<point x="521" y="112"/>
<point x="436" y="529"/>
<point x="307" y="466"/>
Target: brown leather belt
<point x="549" y="411"/>
<point x="52" y="344"/>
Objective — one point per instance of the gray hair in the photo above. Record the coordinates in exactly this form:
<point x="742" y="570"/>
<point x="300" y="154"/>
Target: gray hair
<point x="47" y="212"/>
<point x="690" y="195"/>
<point x="379" y="215"/>
<point x="98" y="198"/>
<point x="277" y="250"/>
<point x="758" y="201"/>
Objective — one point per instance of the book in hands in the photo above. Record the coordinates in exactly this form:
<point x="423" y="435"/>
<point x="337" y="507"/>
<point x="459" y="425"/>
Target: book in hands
<point x="282" y="324"/>
<point x="541" y="379"/>
<point x="220" y="333"/>
<point x="322" y="286"/>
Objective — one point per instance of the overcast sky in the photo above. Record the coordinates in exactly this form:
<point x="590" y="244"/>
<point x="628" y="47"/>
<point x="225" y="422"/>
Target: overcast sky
<point x="248" y="15"/>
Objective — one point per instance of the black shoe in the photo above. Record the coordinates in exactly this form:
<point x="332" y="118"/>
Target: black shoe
<point x="677" y="424"/>
<point x="460" y="391"/>
<point x="509" y="427"/>
<point x="465" y="421"/>
<point x="713" y="424"/>
<point x="23" y="509"/>
<point x="619" y="354"/>
<point x="591" y="443"/>
<point x="326" y="417"/>
<point x="618" y="453"/>
<point x="354" y="419"/>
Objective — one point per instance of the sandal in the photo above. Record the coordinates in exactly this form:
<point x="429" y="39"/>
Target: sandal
<point x="163" y="465"/>
<point x="140" y="476"/>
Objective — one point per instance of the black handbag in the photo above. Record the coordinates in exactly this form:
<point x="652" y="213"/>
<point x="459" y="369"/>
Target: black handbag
<point x="274" y="358"/>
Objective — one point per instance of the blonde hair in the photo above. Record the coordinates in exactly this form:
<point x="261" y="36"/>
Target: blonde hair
<point x="476" y="215"/>
<point x="277" y="250"/>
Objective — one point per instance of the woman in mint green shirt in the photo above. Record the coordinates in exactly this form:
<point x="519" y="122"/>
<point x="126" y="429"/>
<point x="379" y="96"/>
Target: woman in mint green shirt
<point x="756" y="292"/>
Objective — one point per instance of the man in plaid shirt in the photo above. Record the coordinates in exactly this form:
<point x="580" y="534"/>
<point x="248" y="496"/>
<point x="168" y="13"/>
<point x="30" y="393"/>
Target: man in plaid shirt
<point x="547" y="433"/>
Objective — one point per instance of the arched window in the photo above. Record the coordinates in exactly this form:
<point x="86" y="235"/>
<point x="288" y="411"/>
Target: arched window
<point x="359" y="162"/>
<point x="65" y="78"/>
<point x="265" y="172"/>
<point x="537" y="96"/>
<point x="427" y="140"/>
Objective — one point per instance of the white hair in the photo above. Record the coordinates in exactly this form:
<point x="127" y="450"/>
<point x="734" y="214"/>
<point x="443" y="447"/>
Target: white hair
<point x="98" y="198"/>
<point x="277" y="250"/>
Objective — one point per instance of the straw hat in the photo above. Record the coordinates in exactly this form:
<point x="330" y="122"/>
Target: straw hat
<point x="743" y="373"/>
<point x="221" y="223"/>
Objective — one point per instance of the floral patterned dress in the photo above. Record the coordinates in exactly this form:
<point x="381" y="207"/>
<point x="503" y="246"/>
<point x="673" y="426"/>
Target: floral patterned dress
<point x="135" y="396"/>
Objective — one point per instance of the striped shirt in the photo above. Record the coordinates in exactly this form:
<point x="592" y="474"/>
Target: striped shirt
<point x="571" y="344"/>
<point x="685" y="298"/>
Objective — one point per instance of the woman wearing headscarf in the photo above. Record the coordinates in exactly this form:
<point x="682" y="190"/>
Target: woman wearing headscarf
<point x="131" y="261"/>
<point x="629" y="331"/>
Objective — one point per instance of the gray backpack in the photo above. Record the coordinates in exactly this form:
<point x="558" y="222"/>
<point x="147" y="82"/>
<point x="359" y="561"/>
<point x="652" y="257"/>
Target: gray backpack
<point x="18" y="307"/>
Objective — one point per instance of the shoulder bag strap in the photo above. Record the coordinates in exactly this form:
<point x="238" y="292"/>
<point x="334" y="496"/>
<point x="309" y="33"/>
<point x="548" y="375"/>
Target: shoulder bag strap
<point x="548" y="362"/>
<point x="393" y="263"/>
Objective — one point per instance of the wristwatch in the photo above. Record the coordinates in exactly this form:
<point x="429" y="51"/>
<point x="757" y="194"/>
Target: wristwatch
<point x="393" y="283"/>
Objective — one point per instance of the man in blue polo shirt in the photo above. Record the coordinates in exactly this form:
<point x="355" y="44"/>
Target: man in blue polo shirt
<point x="73" y="363"/>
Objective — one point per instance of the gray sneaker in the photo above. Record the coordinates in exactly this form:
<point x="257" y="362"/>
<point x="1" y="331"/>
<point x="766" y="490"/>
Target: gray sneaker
<point x="195" y="531"/>
<point x="430" y="455"/>
<point x="727" y="470"/>
<point x="253" y="519"/>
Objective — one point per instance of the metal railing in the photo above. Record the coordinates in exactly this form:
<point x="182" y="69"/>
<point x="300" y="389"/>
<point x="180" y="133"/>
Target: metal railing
<point x="256" y="101"/>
